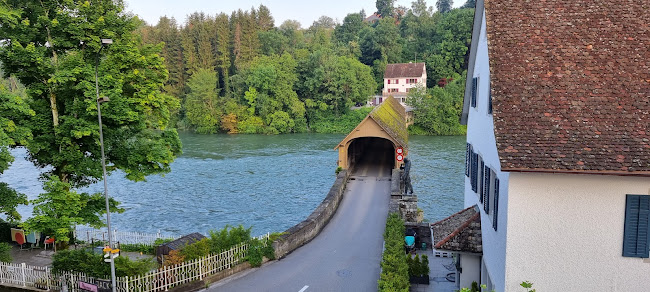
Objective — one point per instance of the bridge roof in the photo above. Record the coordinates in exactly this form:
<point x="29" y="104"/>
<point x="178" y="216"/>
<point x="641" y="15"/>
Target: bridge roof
<point x="391" y="117"/>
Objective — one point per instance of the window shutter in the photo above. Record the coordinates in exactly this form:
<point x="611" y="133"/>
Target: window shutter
<point x="495" y="214"/>
<point x="486" y="190"/>
<point x="490" y="104"/>
<point x="474" y="171"/>
<point x="468" y="152"/>
<point x="480" y="181"/>
<point x="388" y="81"/>
<point x="474" y="88"/>
<point x="636" y="234"/>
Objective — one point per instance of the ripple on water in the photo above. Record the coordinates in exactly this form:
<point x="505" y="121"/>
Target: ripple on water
<point x="268" y="182"/>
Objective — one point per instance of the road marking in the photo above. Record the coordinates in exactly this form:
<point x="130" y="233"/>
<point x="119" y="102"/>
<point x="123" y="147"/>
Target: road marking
<point x="304" y="288"/>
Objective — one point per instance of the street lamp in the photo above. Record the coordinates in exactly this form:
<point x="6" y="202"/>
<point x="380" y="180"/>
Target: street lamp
<point x="105" y="42"/>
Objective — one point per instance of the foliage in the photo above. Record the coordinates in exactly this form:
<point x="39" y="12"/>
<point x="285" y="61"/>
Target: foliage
<point x="444" y="6"/>
<point x="9" y="200"/>
<point x="338" y="169"/>
<point x="5" y="252"/>
<point x="93" y="265"/>
<point x="52" y="49"/>
<point x="228" y="237"/>
<point x="268" y="72"/>
<point x="173" y="258"/>
<point x="418" y="266"/>
<point x="327" y="122"/>
<point x="202" y="108"/>
<point x="395" y="270"/>
<point x="437" y="112"/>
<point x="257" y="249"/>
<point x="196" y="250"/>
<point x="528" y="286"/>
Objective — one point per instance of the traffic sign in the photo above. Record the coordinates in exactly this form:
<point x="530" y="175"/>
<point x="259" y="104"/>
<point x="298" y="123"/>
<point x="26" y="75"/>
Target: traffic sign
<point x="399" y="157"/>
<point x="399" y="151"/>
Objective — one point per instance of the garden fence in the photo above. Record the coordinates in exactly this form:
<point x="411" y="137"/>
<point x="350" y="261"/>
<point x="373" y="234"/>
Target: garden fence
<point x="22" y="275"/>
<point x="123" y="237"/>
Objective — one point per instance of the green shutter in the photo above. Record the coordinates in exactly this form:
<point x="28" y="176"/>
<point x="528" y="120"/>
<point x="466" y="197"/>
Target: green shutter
<point x="636" y="234"/>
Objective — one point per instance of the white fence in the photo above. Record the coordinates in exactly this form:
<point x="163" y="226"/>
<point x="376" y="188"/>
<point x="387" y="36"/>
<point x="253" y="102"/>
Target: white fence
<point x="22" y="275"/>
<point x="89" y="235"/>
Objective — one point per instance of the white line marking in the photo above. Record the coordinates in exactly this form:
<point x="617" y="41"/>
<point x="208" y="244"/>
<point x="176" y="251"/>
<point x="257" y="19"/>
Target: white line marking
<point x="304" y="288"/>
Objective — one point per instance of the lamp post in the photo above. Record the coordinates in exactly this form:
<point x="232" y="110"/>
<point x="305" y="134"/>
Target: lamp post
<point x="105" y="42"/>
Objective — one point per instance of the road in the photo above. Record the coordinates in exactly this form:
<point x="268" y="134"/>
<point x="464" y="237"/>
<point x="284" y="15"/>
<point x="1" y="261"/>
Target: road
<point x="345" y="256"/>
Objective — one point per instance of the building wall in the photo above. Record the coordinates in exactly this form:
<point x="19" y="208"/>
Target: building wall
<point x="565" y="233"/>
<point x="471" y="265"/>
<point x="401" y="86"/>
<point x="480" y="134"/>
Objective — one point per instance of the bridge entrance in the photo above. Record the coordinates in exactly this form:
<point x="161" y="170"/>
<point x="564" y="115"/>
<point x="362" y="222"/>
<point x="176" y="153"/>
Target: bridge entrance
<point x="374" y="141"/>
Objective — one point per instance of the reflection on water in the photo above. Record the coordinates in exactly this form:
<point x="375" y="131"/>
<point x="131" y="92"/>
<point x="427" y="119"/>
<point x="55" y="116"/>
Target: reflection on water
<point x="268" y="182"/>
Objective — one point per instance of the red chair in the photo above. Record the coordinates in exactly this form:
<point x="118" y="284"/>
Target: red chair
<point x="49" y="240"/>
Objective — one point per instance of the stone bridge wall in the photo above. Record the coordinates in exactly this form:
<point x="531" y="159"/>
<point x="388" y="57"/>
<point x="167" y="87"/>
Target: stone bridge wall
<point x="308" y="229"/>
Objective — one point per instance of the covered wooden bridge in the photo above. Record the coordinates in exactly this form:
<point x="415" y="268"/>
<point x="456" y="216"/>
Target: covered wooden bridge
<point x="379" y="137"/>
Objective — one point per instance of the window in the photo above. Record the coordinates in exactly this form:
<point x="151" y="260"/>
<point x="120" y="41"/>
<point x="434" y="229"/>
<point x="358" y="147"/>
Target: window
<point x="411" y="81"/>
<point x="636" y="234"/>
<point x="396" y="81"/>
<point x="393" y="90"/>
<point x="408" y="89"/>
<point x="474" y="90"/>
<point x="495" y="208"/>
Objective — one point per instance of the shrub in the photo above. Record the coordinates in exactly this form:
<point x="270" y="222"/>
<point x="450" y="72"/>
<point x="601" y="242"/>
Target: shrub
<point x="395" y="269"/>
<point x="228" y="237"/>
<point x="93" y="265"/>
<point x="196" y="250"/>
<point x="5" y="252"/>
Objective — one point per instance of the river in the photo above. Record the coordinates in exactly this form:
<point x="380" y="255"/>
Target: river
<point x="267" y="182"/>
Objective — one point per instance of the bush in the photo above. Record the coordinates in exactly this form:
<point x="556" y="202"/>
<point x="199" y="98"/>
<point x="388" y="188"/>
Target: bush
<point x="93" y="265"/>
<point x="325" y="122"/>
<point x="196" y="250"/>
<point x="395" y="269"/>
<point x="228" y="237"/>
<point x="5" y="252"/>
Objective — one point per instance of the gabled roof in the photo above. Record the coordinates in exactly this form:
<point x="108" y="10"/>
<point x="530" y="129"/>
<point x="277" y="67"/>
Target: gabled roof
<point x="571" y="85"/>
<point x="185" y="240"/>
<point x="459" y="232"/>
<point x="403" y="70"/>
<point x="391" y="117"/>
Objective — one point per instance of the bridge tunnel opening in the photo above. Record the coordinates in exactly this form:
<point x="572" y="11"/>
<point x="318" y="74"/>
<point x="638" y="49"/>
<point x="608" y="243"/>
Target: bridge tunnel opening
<point x="371" y="156"/>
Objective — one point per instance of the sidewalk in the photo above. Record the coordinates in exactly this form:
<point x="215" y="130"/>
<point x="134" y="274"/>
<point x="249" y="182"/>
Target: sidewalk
<point x="437" y="274"/>
<point x="35" y="257"/>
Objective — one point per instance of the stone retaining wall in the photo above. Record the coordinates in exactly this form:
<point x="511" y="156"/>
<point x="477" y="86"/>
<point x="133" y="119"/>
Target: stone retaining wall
<point x="306" y="230"/>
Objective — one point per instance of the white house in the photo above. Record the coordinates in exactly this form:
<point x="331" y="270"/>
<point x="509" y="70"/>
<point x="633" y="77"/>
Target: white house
<point x="557" y="106"/>
<point x="399" y="79"/>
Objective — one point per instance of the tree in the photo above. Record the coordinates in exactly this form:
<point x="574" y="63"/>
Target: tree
<point x="444" y="6"/>
<point x="51" y="48"/>
<point x="437" y="112"/>
<point x="385" y="8"/>
<point x="202" y="104"/>
<point x="349" y="30"/>
<point x="469" y="4"/>
<point x="324" y="22"/>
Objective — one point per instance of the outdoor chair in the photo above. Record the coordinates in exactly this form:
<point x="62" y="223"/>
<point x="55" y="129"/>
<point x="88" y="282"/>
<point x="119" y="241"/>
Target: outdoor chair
<point x="48" y="240"/>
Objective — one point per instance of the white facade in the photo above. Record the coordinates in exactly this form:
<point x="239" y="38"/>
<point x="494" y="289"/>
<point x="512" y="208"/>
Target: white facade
<point x="400" y="87"/>
<point x="561" y="232"/>
<point x="565" y="233"/>
<point x="480" y="135"/>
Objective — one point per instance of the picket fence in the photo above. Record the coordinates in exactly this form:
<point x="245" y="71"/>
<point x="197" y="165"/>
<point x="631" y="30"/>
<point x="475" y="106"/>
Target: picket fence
<point x="123" y="237"/>
<point x="22" y="275"/>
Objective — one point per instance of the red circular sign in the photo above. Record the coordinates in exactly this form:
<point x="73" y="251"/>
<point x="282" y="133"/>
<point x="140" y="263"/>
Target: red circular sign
<point x="399" y="157"/>
<point x="399" y="150"/>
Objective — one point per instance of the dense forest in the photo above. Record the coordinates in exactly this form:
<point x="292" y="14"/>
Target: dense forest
<point x="240" y="73"/>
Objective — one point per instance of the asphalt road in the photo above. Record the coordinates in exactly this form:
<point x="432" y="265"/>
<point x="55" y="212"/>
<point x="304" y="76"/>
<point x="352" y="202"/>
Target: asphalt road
<point x="345" y="256"/>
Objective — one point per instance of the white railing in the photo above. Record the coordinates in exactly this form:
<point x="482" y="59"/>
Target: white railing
<point x="22" y="275"/>
<point x="89" y="235"/>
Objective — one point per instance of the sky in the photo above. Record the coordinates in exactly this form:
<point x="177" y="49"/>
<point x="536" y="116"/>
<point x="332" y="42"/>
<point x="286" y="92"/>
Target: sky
<point x="305" y="11"/>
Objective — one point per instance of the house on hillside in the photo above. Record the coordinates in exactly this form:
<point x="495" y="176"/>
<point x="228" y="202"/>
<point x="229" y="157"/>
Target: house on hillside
<point x="399" y="79"/>
<point x="557" y="106"/>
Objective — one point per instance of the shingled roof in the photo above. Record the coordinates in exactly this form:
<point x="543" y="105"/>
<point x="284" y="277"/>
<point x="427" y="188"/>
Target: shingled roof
<point x="404" y="70"/>
<point x="391" y="116"/>
<point x="459" y="232"/>
<point x="570" y="84"/>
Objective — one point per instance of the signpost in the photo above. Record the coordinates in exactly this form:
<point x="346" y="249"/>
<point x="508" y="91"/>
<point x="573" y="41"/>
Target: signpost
<point x="399" y="154"/>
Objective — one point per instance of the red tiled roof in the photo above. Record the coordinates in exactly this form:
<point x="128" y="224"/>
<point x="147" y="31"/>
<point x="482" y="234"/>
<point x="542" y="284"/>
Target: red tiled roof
<point x="459" y="232"/>
<point x="403" y="70"/>
<point x="570" y="84"/>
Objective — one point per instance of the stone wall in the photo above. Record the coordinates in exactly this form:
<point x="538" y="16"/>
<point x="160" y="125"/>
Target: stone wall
<point x="306" y="230"/>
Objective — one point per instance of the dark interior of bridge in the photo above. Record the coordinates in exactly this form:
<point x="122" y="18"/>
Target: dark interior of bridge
<point x="369" y="154"/>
